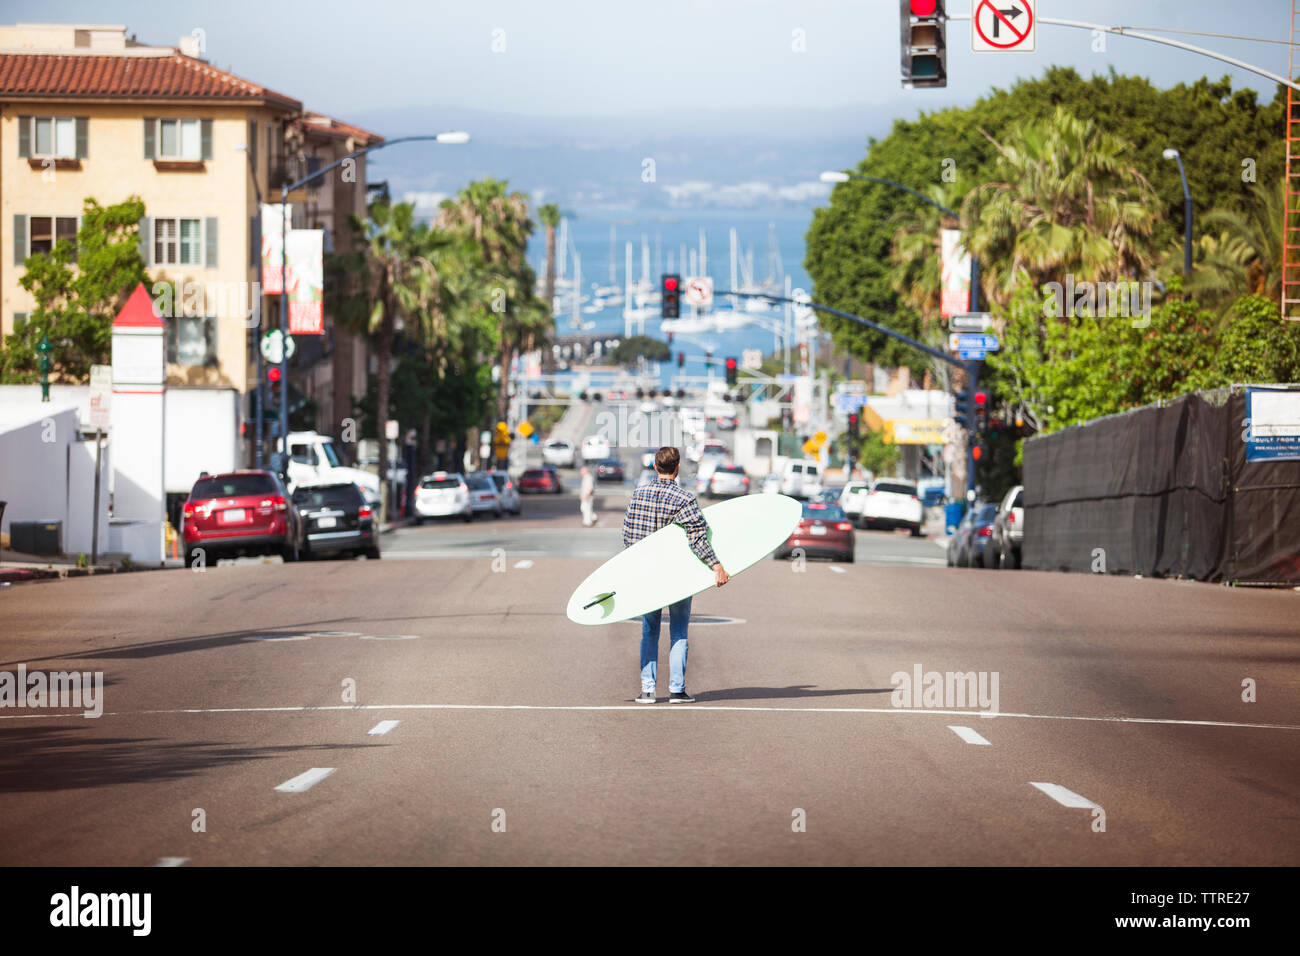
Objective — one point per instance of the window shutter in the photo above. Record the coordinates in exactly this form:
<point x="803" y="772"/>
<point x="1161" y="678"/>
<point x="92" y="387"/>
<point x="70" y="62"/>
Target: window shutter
<point x="150" y="127"/>
<point x="255" y="242"/>
<point x="24" y="136"/>
<point x="83" y="136"/>
<point x="210" y="242"/>
<point x="205" y="139"/>
<point x="20" y="240"/>
<point x="146" y="240"/>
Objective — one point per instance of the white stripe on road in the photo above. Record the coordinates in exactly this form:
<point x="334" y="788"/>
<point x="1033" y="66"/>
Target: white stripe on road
<point x="970" y="736"/>
<point x="523" y="564"/>
<point x="718" y="709"/>
<point x="305" y="781"/>
<point x="837" y="570"/>
<point x="383" y="727"/>
<point x="1066" y="798"/>
<point x="172" y="861"/>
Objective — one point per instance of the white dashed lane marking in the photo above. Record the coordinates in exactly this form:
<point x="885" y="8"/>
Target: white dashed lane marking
<point x="383" y="727"/>
<point x="172" y="861"/>
<point x="970" y="736"/>
<point x="1066" y="798"/>
<point x="305" y="781"/>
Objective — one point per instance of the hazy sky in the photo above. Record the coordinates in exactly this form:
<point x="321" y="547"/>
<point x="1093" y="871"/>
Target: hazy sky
<point x="602" y="57"/>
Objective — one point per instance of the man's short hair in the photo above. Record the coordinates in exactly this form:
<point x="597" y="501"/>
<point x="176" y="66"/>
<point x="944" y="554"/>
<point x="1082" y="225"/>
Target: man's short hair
<point x="667" y="459"/>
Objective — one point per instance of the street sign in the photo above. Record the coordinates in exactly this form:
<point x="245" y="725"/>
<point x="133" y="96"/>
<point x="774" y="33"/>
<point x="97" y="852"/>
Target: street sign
<point x="699" y="291"/>
<point x="970" y="322"/>
<point x="1003" y="26"/>
<point x="390" y="429"/>
<point x="802" y="313"/>
<point x="978" y="354"/>
<point x="525" y="429"/>
<point x="101" y="396"/>
<point x="927" y="431"/>
<point x="271" y="346"/>
<point x="849" y="402"/>
<point x="752" y="359"/>
<point x="972" y="342"/>
<point x="1272" y="423"/>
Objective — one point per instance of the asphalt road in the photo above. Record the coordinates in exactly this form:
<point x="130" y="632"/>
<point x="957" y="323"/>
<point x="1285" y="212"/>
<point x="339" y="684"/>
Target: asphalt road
<point x="509" y="736"/>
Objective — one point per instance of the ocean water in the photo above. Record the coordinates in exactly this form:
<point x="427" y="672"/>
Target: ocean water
<point x="667" y="235"/>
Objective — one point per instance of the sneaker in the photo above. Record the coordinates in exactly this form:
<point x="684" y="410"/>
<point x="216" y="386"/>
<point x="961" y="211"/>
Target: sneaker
<point x="647" y="697"/>
<point x="680" y="697"/>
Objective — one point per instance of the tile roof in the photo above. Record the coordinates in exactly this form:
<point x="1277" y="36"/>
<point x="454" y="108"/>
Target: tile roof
<point x="320" y="123"/>
<point x="171" y="75"/>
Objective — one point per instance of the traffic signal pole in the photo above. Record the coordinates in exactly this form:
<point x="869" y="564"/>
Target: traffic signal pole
<point x="971" y="367"/>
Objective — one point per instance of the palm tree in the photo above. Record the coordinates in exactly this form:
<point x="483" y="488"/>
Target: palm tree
<point x="499" y="224"/>
<point x="1069" y="200"/>
<point x="549" y="216"/>
<point x="1244" y="256"/>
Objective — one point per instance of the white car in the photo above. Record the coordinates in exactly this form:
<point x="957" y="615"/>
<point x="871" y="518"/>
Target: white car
<point x="771" y="484"/>
<point x="443" y="494"/>
<point x="802" y="479"/>
<point x="707" y="448"/>
<point x="507" y="491"/>
<point x="728" y="481"/>
<point x="483" y="494"/>
<point x="595" y="448"/>
<point x="853" y="497"/>
<point x="558" y="452"/>
<point x="893" y="503"/>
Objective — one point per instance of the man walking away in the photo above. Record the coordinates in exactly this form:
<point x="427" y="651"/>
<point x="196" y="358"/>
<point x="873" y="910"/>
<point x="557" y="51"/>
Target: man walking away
<point x="654" y="505"/>
<point x="587" y="497"/>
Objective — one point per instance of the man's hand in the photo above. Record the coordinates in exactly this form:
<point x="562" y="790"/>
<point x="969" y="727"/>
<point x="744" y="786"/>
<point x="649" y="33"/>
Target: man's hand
<point x="721" y="575"/>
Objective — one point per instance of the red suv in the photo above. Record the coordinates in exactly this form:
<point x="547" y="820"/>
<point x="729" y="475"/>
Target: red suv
<point x="247" y="512"/>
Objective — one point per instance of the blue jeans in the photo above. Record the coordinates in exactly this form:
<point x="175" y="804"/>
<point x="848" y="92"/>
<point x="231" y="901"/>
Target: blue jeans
<point x="679" y="615"/>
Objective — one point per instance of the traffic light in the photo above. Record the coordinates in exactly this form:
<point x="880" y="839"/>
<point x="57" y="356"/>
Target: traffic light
<point x="853" y="427"/>
<point x="708" y="358"/>
<point x="670" y="302"/>
<point x="681" y="359"/>
<point x="273" y="385"/>
<point x="962" y="414"/>
<point x="924" y="28"/>
<point x="981" y="412"/>
<point x="731" y="371"/>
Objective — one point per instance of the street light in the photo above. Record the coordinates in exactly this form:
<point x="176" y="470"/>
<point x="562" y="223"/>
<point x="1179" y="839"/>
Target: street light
<point x="1173" y="154"/>
<point x="836" y="176"/>
<point x="257" y="343"/>
<point x="454" y="137"/>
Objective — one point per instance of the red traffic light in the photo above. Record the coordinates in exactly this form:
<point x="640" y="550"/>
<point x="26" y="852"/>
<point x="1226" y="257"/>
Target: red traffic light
<point x="981" y="398"/>
<point x="273" y="374"/>
<point x="670" y="283"/>
<point x="853" y="419"/>
<point x="977" y="452"/>
<point x="731" y="363"/>
<point x="923" y="8"/>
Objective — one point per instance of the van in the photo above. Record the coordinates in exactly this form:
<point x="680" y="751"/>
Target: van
<point x="313" y="460"/>
<point x="802" y="479"/>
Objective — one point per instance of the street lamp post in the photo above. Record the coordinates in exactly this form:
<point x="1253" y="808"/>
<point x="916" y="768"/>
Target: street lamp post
<point x="1173" y="154"/>
<point x="257" y="334"/>
<point x="448" y="138"/>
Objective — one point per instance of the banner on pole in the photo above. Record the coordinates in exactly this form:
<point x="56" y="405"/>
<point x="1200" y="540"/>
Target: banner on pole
<point x="954" y="269"/>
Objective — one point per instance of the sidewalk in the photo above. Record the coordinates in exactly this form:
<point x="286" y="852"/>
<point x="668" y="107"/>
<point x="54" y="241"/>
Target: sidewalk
<point x="16" y="566"/>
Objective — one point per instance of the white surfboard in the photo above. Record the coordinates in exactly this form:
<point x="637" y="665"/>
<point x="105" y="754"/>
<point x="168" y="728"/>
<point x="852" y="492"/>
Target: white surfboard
<point x="661" y="569"/>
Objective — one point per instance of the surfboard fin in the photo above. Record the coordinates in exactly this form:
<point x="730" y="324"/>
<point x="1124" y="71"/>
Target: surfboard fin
<point x="603" y="597"/>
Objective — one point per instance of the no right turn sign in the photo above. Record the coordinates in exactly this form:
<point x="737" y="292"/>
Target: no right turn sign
<point x="1003" y="25"/>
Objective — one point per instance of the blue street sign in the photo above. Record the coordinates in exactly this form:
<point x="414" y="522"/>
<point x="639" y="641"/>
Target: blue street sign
<point x="978" y="354"/>
<point x="849" y="401"/>
<point x="971" y="341"/>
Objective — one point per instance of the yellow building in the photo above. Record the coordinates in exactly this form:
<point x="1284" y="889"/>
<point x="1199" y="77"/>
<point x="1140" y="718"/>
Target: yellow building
<point x="87" y="111"/>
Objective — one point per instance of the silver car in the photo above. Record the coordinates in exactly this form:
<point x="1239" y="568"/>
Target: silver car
<point x="1008" y="531"/>
<point x="443" y="494"/>
<point x="506" y="490"/>
<point x="728" y="481"/>
<point x="483" y="495"/>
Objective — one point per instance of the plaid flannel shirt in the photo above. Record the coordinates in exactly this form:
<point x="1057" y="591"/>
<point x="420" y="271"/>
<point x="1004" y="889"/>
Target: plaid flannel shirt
<point x="663" y="502"/>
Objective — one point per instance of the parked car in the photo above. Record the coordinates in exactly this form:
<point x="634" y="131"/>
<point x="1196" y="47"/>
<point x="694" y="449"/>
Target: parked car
<point x="443" y="494"/>
<point x="483" y="495"/>
<point x="648" y="457"/>
<point x="728" y="481"/>
<point x="823" y="531"/>
<point x="966" y="545"/>
<point x="537" y="480"/>
<point x="595" y="448"/>
<point x="930" y="491"/>
<point x="242" y="512"/>
<point x="507" y="490"/>
<point x="892" y="503"/>
<point x="708" y="448"/>
<point x="336" y="520"/>
<point x="852" y="497"/>
<point x="771" y="484"/>
<point x="828" y="496"/>
<point x="801" y="479"/>
<point x="1008" y="530"/>
<point x="558" y="452"/>
<point x="609" y="469"/>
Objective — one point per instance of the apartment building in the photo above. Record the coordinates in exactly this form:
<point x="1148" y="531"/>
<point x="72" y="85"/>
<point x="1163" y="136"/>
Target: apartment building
<point x="88" y="111"/>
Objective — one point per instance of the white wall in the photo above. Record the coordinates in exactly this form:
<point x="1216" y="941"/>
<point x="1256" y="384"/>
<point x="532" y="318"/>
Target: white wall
<point x="202" y="434"/>
<point x="37" y="446"/>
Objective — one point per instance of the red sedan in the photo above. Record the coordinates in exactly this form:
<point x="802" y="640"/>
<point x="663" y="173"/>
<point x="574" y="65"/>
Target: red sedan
<point x="540" y="480"/>
<point x="823" y="531"/>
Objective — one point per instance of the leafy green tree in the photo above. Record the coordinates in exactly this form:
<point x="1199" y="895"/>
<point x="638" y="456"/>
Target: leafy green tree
<point x="79" y="289"/>
<point x="1258" y="345"/>
<point x="549" y="216"/>
<point x="630" y="349"/>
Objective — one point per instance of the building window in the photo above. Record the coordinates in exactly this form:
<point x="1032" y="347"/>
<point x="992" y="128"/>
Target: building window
<point x="52" y="137"/>
<point x="178" y="139"/>
<point x="177" y="242"/>
<point x="45" y="231"/>
<point x="192" y="340"/>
